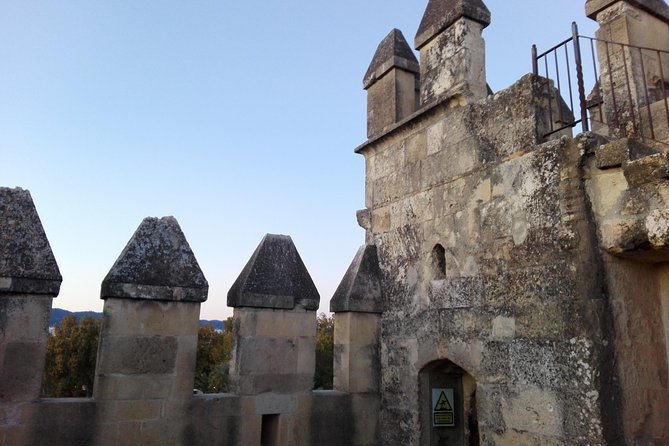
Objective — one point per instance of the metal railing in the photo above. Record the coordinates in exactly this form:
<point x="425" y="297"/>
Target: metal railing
<point x="628" y="93"/>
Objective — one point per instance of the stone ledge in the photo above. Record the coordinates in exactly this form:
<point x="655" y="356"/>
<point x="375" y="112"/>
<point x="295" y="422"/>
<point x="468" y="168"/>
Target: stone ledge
<point x="152" y="292"/>
<point x="24" y="286"/>
<point x="156" y="264"/>
<point x="647" y="169"/>
<point x="618" y="152"/>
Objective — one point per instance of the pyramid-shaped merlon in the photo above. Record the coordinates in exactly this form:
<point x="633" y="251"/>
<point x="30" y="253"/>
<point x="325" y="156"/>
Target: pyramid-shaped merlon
<point x="27" y="264"/>
<point x="440" y="14"/>
<point x="274" y="277"/>
<point x="156" y="264"/>
<point x="360" y="289"/>
<point x="392" y="52"/>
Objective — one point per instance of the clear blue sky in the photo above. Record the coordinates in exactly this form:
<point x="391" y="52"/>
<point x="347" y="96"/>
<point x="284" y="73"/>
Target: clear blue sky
<point x="237" y="118"/>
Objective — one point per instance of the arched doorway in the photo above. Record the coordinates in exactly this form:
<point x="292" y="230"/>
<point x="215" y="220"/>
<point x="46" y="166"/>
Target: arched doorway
<point x="448" y="405"/>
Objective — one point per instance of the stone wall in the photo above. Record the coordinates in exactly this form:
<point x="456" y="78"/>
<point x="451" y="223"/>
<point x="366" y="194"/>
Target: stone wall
<point x="512" y="290"/>
<point x="143" y="392"/>
<point x="524" y="275"/>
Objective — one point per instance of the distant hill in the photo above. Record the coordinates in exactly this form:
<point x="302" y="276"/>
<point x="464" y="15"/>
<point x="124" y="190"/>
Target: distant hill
<point x="57" y="315"/>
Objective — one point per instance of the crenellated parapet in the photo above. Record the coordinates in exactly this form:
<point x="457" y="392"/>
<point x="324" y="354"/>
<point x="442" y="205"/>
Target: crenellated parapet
<point x="29" y="280"/>
<point x="392" y="83"/>
<point x="146" y="359"/>
<point x="143" y="389"/>
<point x="452" y="64"/>
<point x="452" y="50"/>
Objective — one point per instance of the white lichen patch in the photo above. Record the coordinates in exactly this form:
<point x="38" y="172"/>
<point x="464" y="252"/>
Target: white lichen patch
<point x="657" y="225"/>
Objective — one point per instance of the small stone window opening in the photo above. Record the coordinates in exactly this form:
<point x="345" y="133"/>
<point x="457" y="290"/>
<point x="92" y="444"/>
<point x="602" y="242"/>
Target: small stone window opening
<point x="438" y="262"/>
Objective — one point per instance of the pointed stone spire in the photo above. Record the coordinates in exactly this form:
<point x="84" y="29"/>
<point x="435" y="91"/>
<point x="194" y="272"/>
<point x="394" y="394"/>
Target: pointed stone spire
<point x="392" y="52"/>
<point x="391" y="83"/>
<point x="657" y="8"/>
<point x="156" y="264"/>
<point x="274" y="277"/>
<point x="440" y="14"/>
<point x="360" y="289"/>
<point x="27" y="264"/>
<point x="452" y="51"/>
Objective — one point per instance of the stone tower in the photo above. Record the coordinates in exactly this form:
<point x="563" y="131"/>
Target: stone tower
<point x="503" y="294"/>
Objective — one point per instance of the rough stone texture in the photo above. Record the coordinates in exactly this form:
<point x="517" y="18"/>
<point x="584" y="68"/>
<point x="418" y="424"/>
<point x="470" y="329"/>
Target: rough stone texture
<point x="630" y="212"/>
<point x="274" y="277"/>
<point x="647" y="169"/>
<point x="440" y="14"/>
<point x="145" y="370"/>
<point x="274" y="351"/>
<point x="360" y="289"/>
<point x="484" y="241"/>
<point x="528" y="276"/>
<point x="453" y="64"/>
<point x="156" y="264"/>
<point x="214" y="420"/>
<point x="638" y="300"/>
<point x="391" y="83"/>
<point x="632" y="80"/>
<point x="392" y="52"/>
<point x="27" y="264"/>
<point x="331" y="409"/>
<point x="657" y="225"/>
<point x="63" y="422"/>
<point x="616" y="153"/>
<point x="356" y="352"/>
<point x="658" y="8"/>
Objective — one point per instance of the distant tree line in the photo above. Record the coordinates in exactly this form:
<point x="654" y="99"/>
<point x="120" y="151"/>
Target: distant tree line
<point x="71" y="352"/>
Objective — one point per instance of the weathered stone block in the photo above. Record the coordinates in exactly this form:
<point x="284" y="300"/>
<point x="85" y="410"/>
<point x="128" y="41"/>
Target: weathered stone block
<point x="503" y="327"/>
<point x="213" y="419"/>
<point x="278" y="323"/>
<point x="27" y="264"/>
<point x="534" y="410"/>
<point x="306" y="359"/>
<point x="125" y="317"/>
<point x="330" y="409"/>
<point x="20" y="362"/>
<point x="138" y="355"/>
<point x="156" y="264"/>
<point x="360" y="289"/>
<point x="647" y="169"/>
<point x="272" y="403"/>
<point x="620" y="151"/>
<point x="274" y="277"/>
<point x="256" y="383"/>
<point x="390" y="82"/>
<point x="623" y="235"/>
<point x="460" y="292"/>
<point x="657" y="225"/>
<point x="266" y="356"/>
<point x="137" y="410"/>
<point x="24" y="318"/>
<point x="657" y="8"/>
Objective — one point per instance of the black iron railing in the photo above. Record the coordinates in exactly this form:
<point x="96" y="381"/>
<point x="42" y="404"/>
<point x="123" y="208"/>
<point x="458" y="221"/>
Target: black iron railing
<point x="628" y="92"/>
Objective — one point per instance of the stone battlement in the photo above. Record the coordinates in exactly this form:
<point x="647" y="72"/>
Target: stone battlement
<point x="512" y="289"/>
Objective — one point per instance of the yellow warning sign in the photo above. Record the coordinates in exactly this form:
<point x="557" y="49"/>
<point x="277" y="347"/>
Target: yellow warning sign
<point x="443" y="419"/>
<point x="442" y="403"/>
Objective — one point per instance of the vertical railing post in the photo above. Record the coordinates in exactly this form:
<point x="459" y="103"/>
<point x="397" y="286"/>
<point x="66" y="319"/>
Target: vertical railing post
<point x="579" y="78"/>
<point x="535" y="66"/>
